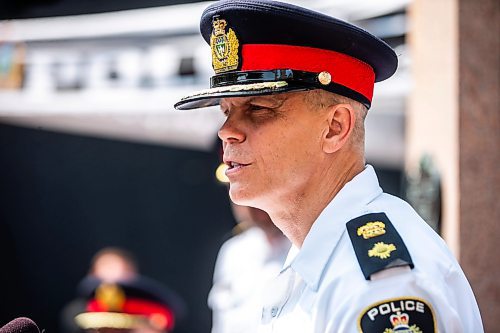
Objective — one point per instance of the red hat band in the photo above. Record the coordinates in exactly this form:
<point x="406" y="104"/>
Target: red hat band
<point x="161" y="316"/>
<point x="345" y="70"/>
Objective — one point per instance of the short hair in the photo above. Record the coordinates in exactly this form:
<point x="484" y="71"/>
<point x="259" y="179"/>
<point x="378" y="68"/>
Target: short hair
<point x="319" y="98"/>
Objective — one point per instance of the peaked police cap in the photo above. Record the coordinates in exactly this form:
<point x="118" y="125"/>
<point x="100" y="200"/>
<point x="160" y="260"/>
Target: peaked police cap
<point x="266" y="47"/>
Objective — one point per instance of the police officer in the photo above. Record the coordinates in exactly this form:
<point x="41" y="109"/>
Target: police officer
<point x="295" y="86"/>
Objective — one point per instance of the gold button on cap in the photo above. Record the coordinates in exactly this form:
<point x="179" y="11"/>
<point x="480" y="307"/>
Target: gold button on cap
<point x="324" y="78"/>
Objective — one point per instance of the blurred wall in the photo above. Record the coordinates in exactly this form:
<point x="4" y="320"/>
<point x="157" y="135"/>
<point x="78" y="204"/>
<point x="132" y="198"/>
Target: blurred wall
<point x="432" y="115"/>
<point x="454" y="116"/>
<point x="479" y="128"/>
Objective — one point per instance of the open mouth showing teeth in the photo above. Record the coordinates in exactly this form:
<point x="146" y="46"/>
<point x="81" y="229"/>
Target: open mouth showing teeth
<point x="235" y="165"/>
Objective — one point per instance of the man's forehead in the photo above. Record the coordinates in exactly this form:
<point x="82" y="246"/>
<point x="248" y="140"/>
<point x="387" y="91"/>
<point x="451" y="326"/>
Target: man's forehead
<point x="272" y="99"/>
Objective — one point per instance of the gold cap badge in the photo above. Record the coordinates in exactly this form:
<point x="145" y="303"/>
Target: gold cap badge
<point x="111" y="296"/>
<point x="225" y="47"/>
<point x="371" y="229"/>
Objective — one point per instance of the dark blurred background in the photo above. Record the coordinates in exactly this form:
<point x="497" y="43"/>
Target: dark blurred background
<point x="64" y="197"/>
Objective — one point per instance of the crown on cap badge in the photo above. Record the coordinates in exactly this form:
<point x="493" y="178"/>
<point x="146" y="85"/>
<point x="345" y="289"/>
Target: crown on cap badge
<point x="224" y="46"/>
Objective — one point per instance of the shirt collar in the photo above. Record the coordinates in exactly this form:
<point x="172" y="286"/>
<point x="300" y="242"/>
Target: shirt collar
<point x="310" y="260"/>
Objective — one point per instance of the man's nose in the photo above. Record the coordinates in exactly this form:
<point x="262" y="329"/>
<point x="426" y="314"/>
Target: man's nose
<point x="231" y="131"/>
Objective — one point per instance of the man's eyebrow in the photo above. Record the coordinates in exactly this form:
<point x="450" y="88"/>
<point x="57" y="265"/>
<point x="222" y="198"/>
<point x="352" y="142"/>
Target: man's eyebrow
<point x="266" y="101"/>
<point x="273" y="101"/>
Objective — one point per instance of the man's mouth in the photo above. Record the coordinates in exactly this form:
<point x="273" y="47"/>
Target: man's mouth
<point x="234" y="166"/>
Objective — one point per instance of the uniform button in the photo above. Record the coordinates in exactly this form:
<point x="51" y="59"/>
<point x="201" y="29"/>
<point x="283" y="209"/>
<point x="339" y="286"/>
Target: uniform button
<point x="274" y="311"/>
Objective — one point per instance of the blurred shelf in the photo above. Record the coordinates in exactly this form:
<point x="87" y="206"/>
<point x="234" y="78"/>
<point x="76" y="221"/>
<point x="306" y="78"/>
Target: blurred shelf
<point x="96" y="101"/>
<point x="140" y="116"/>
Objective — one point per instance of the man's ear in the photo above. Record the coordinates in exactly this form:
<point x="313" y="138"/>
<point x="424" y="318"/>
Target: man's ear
<point x="341" y="119"/>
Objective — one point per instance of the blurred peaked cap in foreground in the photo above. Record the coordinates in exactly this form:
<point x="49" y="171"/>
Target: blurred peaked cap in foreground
<point x="128" y="304"/>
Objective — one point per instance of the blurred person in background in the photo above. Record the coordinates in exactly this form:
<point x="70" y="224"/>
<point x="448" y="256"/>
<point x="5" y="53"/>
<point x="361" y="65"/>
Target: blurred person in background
<point x="114" y="277"/>
<point x="113" y="264"/>
<point x="109" y="264"/>
<point x="246" y="263"/>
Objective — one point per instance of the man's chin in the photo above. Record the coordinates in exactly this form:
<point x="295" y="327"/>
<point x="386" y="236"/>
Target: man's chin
<point x="241" y="196"/>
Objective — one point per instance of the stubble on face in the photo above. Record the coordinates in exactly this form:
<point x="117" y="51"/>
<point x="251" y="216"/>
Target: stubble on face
<point x="279" y="142"/>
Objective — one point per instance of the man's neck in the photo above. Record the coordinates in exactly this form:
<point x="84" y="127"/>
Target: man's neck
<point x="296" y="214"/>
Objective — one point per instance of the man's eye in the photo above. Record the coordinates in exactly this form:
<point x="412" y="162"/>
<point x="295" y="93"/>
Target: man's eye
<point x="257" y="107"/>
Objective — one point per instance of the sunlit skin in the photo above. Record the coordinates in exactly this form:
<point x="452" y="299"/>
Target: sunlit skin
<point x="287" y="158"/>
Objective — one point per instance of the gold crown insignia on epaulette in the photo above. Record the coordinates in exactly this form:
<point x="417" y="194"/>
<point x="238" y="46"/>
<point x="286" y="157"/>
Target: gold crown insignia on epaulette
<point x="377" y="244"/>
<point x="371" y="229"/>
<point x="224" y="47"/>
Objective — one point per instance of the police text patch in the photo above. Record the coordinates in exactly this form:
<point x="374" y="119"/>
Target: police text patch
<point x="405" y="314"/>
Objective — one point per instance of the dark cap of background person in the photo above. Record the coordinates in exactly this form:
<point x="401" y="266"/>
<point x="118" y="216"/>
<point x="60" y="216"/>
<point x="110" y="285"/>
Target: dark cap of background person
<point x="130" y="304"/>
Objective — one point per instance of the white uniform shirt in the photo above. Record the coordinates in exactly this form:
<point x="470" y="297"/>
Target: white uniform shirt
<point x="246" y="263"/>
<point x="322" y="288"/>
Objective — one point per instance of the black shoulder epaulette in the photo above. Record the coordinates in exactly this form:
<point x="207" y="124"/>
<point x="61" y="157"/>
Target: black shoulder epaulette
<point x="377" y="244"/>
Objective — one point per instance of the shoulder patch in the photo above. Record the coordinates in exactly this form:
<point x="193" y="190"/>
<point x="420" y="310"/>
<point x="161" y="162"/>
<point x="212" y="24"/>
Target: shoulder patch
<point x="405" y="314"/>
<point x="377" y="244"/>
